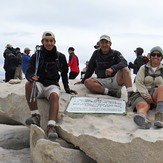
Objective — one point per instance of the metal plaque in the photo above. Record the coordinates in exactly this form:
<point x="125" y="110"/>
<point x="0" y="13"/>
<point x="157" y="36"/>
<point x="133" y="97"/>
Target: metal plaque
<point x="96" y="105"/>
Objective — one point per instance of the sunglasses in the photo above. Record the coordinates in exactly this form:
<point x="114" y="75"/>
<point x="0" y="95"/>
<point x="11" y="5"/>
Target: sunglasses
<point x="156" y="54"/>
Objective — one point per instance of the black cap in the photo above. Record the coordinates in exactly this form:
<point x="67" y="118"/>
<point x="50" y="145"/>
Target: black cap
<point x="97" y="45"/>
<point x="139" y="51"/>
<point x="17" y="48"/>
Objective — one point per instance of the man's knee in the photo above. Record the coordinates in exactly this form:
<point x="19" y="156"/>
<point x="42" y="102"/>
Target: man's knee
<point x="160" y="88"/>
<point x="28" y="85"/>
<point x="125" y="70"/>
<point x="87" y="82"/>
<point x="54" y="96"/>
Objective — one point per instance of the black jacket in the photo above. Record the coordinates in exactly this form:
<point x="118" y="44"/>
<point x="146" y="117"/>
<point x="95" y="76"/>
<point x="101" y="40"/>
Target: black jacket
<point x="99" y="62"/>
<point x="10" y="62"/>
<point x="139" y="61"/>
<point x="52" y="64"/>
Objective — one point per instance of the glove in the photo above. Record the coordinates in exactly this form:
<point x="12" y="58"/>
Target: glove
<point x="130" y="65"/>
<point x="70" y="91"/>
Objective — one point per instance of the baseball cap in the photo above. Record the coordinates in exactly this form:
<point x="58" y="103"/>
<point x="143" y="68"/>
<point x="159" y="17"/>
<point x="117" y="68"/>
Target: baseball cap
<point x="8" y="46"/>
<point x="97" y="45"/>
<point x="139" y="50"/>
<point x="105" y="37"/>
<point x="48" y="34"/>
<point x="27" y="49"/>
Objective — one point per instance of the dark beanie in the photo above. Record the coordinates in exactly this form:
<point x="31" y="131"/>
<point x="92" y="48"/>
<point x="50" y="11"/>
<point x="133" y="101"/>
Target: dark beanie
<point x="157" y="48"/>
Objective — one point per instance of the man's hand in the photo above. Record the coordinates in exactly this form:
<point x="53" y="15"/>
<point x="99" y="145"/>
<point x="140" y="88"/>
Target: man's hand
<point x="108" y="71"/>
<point x="35" y="78"/>
<point x="149" y="100"/>
<point x="78" y="83"/>
<point x="72" y="92"/>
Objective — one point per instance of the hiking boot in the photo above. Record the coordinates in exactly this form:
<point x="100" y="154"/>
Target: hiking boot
<point x="34" y="119"/>
<point x="114" y="93"/>
<point x="158" y="120"/>
<point x="141" y="120"/>
<point x="51" y="132"/>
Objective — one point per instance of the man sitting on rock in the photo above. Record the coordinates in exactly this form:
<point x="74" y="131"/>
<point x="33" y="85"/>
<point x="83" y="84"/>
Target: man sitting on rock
<point x="43" y="81"/>
<point x="111" y="70"/>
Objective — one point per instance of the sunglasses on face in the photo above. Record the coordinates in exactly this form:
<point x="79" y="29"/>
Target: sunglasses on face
<point x="156" y="54"/>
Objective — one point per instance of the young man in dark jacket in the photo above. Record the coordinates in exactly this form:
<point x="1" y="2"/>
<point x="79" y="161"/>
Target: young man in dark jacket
<point x="50" y="62"/>
<point x="111" y="69"/>
<point x="139" y="61"/>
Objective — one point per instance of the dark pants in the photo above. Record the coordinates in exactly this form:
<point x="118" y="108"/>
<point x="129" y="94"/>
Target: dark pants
<point x="10" y="73"/>
<point x="73" y="75"/>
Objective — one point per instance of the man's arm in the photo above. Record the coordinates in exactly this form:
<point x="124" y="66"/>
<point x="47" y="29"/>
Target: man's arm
<point x="121" y="62"/>
<point x="31" y="68"/>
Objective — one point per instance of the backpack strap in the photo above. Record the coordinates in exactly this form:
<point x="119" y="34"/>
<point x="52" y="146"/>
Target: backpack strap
<point x="152" y="75"/>
<point x="58" y="62"/>
<point x="146" y="71"/>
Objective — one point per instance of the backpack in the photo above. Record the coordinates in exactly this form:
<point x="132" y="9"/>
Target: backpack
<point x="145" y="59"/>
<point x="38" y="50"/>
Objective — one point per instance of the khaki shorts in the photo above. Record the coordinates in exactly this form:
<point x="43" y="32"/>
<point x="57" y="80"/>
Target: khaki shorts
<point x="136" y="98"/>
<point x="43" y="91"/>
<point x="110" y="82"/>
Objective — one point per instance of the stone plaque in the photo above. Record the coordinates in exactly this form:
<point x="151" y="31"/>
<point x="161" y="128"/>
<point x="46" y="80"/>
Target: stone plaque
<point x="96" y="105"/>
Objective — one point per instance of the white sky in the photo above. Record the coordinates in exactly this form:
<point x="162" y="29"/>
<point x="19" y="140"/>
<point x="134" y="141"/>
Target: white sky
<point x="76" y="23"/>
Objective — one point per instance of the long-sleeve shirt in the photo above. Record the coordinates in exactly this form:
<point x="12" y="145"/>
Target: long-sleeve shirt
<point x="99" y="62"/>
<point x="51" y="64"/>
<point x="146" y="78"/>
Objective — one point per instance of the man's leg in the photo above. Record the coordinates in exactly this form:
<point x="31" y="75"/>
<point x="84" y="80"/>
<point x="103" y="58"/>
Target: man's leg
<point x="140" y="118"/>
<point x="141" y="107"/>
<point x="103" y="86"/>
<point x="53" y="113"/>
<point x="35" y="118"/>
<point x="124" y="78"/>
<point x="20" y="73"/>
<point x="94" y="86"/>
<point x="54" y="106"/>
<point x="158" y="98"/>
<point x="16" y="73"/>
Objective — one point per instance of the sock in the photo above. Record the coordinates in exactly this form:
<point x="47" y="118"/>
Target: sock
<point x="106" y="91"/>
<point x="130" y="89"/>
<point x="51" y="122"/>
<point x="35" y="112"/>
<point x="159" y="107"/>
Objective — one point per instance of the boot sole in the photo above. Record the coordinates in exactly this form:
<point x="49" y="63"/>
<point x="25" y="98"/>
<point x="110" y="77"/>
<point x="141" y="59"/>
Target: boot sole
<point x="158" y="124"/>
<point x="142" y="122"/>
<point x="52" y="136"/>
<point x="29" y="122"/>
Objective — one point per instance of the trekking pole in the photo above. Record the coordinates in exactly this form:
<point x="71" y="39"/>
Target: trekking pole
<point x="33" y="92"/>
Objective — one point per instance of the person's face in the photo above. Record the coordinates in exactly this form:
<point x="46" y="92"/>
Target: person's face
<point x="70" y="51"/>
<point x="155" y="57"/>
<point x="17" y="51"/>
<point x="28" y="51"/>
<point x="48" y="43"/>
<point x="105" y="46"/>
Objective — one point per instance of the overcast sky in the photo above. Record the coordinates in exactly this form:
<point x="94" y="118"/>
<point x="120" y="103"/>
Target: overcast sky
<point x="76" y="23"/>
